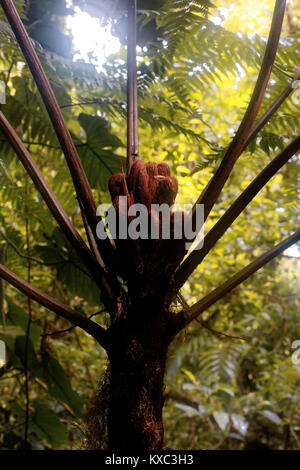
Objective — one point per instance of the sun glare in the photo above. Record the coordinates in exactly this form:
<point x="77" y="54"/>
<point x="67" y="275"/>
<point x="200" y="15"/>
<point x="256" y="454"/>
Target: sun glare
<point x="293" y="251"/>
<point x="91" y="41"/>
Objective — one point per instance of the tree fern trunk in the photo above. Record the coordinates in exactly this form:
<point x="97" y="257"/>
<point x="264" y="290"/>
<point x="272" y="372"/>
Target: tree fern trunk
<point x="137" y="368"/>
<point x="136" y="400"/>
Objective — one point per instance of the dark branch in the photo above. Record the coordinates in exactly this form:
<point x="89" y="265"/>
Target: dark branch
<point x="184" y="318"/>
<point x="212" y="191"/>
<point x="68" y="330"/>
<point x="218" y="230"/>
<point x="132" y="101"/>
<point x="56" y="306"/>
<point x="270" y="111"/>
<point x="222" y="333"/>
<point x="80" y="181"/>
<point x="51" y="200"/>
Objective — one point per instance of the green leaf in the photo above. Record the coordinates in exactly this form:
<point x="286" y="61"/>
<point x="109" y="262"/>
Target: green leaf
<point x="222" y="419"/>
<point x="252" y="146"/>
<point x="98" y="159"/>
<point x="98" y="132"/>
<point x="271" y="416"/>
<point x="100" y="164"/>
<point x="15" y="343"/>
<point x="32" y="362"/>
<point x="44" y="423"/>
<point x="16" y="316"/>
<point x="225" y="388"/>
<point x="240" y="423"/>
<point x="79" y="283"/>
<point x="9" y="336"/>
<point x="189" y="410"/>
<point x="69" y="268"/>
<point x="50" y="254"/>
<point x="270" y="141"/>
<point x="59" y="386"/>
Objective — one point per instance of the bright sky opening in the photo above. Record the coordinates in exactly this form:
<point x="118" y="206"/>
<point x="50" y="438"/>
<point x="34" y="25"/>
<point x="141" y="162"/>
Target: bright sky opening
<point x="91" y="40"/>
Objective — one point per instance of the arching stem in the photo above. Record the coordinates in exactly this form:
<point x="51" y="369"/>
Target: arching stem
<point x="132" y="101"/>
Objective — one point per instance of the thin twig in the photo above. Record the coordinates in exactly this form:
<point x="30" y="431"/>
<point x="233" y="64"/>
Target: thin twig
<point x="221" y="333"/>
<point x="271" y="111"/>
<point x="22" y="255"/>
<point x="44" y="263"/>
<point x="67" y="330"/>
<point x="184" y="318"/>
<point x="282" y="71"/>
<point x="9" y="72"/>
<point x="132" y="102"/>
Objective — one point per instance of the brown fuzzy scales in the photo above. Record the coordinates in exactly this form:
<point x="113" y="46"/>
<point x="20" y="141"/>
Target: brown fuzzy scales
<point x="147" y="184"/>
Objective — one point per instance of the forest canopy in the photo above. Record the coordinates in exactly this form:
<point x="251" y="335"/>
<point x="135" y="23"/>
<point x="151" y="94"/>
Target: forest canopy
<point x="231" y="382"/>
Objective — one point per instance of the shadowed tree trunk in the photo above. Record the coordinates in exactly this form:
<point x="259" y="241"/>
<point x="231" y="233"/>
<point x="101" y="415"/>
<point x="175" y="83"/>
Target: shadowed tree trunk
<point x="136" y="392"/>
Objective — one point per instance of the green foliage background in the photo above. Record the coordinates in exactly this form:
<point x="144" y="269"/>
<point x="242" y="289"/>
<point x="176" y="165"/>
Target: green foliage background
<point x="197" y="65"/>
